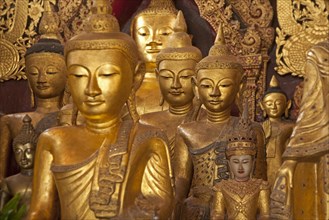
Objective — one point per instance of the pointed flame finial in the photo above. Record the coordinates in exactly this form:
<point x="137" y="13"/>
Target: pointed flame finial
<point x="48" y="27"/>
<point x="274" y="82"/>
<point x="180" y="24"/>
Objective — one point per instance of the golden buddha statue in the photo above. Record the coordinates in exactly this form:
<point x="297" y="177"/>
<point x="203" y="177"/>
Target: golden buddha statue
<point x="301" y="187"/>
<point x="241" y="196"/>
<point x="45" y="68"/>
<point x="275" y="104"/>
<point x="107" y="168"/>
<point x="151" y="29"/>
<point x="175" y="68"/>
<point x="199" y="159"/>
<point x="24" y="145"/>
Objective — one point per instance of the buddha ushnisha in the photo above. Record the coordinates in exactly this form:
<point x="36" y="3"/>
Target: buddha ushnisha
<point x="275" y="104"/>
<point x="24" y="146"/>
<point x="106" y="168"/>
<point x="45" y="70"/>
<point x="199" y="159"/>
<point x="301" y="187"/>
<point x="241" y="197"/>
<point x="151" y="28"/>
<point x="175" y="69"/>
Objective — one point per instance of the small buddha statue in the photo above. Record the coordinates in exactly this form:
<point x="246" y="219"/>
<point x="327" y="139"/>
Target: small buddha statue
<point x="151" y="28"/>
<point x="24" y="145"/>
<point x="199" y="159"/>
<point x="45" y="70"/>
<point x="241" y="196"/>
<point x="275" y="104"/>
<point x="107" y="168"/>
<point x="175" y="69"/>
<point x="301" y="188"/>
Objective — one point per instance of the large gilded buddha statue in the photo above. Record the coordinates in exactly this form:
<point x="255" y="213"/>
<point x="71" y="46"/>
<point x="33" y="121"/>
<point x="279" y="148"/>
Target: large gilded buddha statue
<point x="301" y="189"/>
<point x="199" y="159"/>
<point x="45" y="70"/>
<point x="151" y="28"/>
<point x="175" y="69"/>
<point x="107" y="168"/>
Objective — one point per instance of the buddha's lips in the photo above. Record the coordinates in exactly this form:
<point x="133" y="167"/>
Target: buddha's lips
<point x="42" y="87"/>
<point x="241" y="171"/>
<point x="176" y="92"/>
<point x="215" y="102"/>
<point x="152" y="50"/>
<point x="93" y="102"/>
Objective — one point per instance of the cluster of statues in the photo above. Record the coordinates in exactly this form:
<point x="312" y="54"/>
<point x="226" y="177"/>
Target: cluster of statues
<point x="148" y="132"/>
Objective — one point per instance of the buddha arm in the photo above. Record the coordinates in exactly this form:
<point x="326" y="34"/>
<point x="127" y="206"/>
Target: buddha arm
<point x="217" y="210"/>
<point x="264" y="202"/>
<point x="44" y="195"/>
<point x="5" y="138"/>
<point x="157" y="186"/>
<point x="182" y="168"/>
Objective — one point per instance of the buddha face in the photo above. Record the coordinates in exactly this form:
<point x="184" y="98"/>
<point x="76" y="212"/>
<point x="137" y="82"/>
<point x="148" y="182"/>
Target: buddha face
<point x="46" y="74"/>
<point x="175" y="80"/>
<point x="274" y="104"/>
<point x="151" y="34"/>
<point x="100" y="82"/>
<point x="24" y="155"/>
<point x="241" y="166"/>
<point x="217" y="88"/>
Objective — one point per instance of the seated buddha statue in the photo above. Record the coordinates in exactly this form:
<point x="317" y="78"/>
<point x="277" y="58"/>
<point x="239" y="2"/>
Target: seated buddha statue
<point x="107" y="168"/>
<point x="241" y="196"/>
<point x="301" y="187"/>
<point x="199" y="159"/>
<point x="275" y="104"/>
<point x="24" y="145"/>
<point x="45" y="71"/>
<point x="175" y="68"/>
<point x="151" y="28"/>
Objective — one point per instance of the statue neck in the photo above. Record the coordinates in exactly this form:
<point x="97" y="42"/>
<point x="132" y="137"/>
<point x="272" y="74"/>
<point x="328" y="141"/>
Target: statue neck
<point x="150" y="70"/>
<point x="47" y="105"/>
<point x="106" y="127"/>
<point x="218" y="117"/>
<point x="27" y="172"/>
<point x="275" y="120"/>
<point x="180" y="110"/>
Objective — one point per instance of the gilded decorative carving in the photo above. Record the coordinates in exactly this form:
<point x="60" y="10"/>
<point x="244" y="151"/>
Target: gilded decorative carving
<point x="250" y="37"/>
<point x="302" y="25"/>
<point x="19" y="20"/>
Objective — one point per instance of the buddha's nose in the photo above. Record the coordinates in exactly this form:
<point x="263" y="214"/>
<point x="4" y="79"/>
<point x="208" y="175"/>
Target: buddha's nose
<point x="215" y="91"/>
<point x="92" y="88"/>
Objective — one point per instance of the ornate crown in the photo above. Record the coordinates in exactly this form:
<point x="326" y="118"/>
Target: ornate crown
<point x="27" y="133"/>
<point x="242" y="139"/>
<point x="102" y="32"/>
<point x="48" y="28"/>
<point x="220" y="56"/>
<point x="179" y="44"/>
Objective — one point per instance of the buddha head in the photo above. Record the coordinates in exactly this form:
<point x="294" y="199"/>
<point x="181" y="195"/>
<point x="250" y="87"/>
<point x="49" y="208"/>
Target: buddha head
<point x="24" y="145"/>
<point x="176" y="66"/>
<point x="45" y="63"/>
<point x="275" y="102"/>
<point x="218" y="77"/>
<point x="151" y="29"/>
<point x="241" y="149"/>
<point x="102" y="65"/>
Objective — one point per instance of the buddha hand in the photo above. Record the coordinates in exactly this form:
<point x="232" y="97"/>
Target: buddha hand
<point x="281" y="197"/>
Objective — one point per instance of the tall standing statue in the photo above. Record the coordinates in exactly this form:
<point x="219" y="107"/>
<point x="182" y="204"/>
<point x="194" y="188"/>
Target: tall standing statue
<point x="151" y="29"/>
<point x="175" y="69"/>
<point x="275" y="104"/>
<point x="24" y="145"/>
<point x="107" y="168"/>
<point x="241" y="196"/>
<point x="45" y="69"/>
<point x="301" y="188"/>
<point x="199" y="159"/>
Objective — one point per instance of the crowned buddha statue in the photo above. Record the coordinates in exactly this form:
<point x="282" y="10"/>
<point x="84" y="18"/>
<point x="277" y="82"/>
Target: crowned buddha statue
<point x="151" y="28"/>
<point x="301" y="189"/>
<point x="175" y="69"/>
<point x="24" y="145"/>
<point x="275" y="104"/>
<point x="45" y="71"/>
<point x="199" y="159"/>
<point x="241" y="196"/>
<point x="107" y="168"/>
